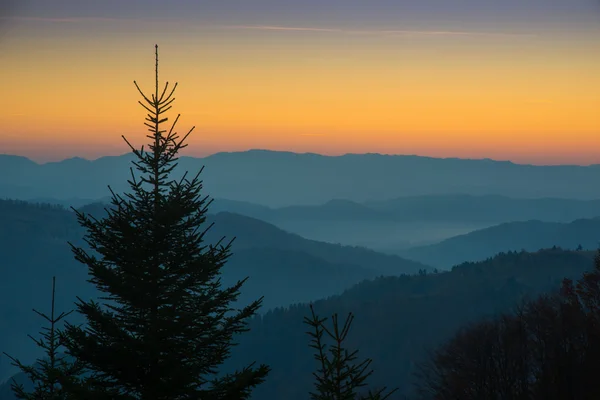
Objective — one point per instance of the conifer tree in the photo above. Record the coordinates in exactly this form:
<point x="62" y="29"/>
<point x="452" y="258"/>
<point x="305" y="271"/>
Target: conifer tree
<point x="165" y="324"/>
<point x="339" y="376"/>
<point x="53" y="374"/>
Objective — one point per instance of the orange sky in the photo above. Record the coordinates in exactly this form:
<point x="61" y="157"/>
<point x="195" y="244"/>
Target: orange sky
<point x="528" y="97"/>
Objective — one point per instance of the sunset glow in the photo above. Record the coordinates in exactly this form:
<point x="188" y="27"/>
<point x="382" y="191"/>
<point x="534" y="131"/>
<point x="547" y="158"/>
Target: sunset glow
<point x="528" y="93"/>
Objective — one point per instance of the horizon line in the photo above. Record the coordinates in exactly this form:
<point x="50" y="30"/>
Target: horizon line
<point x="309" y="153"/>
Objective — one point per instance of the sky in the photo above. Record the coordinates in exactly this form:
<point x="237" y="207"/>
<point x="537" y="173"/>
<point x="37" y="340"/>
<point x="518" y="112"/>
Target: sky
<point x="503" y="79"/>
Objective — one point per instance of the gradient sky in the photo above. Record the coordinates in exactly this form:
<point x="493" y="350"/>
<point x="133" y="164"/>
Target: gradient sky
<point x="504" y="79"/>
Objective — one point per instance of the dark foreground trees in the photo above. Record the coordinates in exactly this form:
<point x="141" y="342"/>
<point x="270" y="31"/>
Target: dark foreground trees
<point x="339" y="376"/>
<point x="165" y="324"/>
<point x="52" y="375"/>
<point x="548" y="349"/>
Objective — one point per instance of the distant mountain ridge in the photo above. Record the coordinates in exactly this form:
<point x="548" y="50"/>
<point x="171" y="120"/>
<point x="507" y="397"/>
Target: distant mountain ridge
<point x="282" y="178"/>
<point x="513" y="236"/>
<point x="446" y="207"/>
<point x="486" y="208"/>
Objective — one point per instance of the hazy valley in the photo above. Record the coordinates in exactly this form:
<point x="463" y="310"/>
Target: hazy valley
<point x="315" y="196"/>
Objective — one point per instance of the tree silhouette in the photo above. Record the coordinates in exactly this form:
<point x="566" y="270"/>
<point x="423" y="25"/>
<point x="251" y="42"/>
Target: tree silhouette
<point x="165" y="324"/>
<point x="548" y="349"/>
<point x="338" y="377"/>
<point x="487" y="360"/>
<point x="52" y="375"/>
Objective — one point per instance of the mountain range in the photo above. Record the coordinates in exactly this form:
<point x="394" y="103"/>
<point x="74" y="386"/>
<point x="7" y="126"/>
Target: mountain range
<point x="462" y="208"/>
<point x="302" y="224"/>
<point x="393" y="226"/>
<point x="281" y="178"/>
<point x="396" y="225"/>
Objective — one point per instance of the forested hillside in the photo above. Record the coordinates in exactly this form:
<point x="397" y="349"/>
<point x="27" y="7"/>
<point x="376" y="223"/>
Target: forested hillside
<point x="398" y="319"/>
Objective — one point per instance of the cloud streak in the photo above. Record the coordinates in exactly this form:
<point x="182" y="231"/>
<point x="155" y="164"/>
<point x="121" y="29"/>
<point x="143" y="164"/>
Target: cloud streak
<point x="274" y="28"/>
<point x="382" y="32"/>
<point x="68" y="19"/>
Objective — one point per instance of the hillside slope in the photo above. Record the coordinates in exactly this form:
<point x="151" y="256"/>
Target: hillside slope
<point x="398" y="319"/>
<point x="525" y="235"/>
<point x="285" y="268"/>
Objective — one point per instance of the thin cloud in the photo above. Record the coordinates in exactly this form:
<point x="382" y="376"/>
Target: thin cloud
<point x="280" y="28"/>
<point x="385" y="32"/>
<point x="68" y="19"/>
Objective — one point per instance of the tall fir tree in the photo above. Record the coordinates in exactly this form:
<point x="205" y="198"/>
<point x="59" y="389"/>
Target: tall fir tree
<point x="51" y="376"/>
<point x="165" y="324"/>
